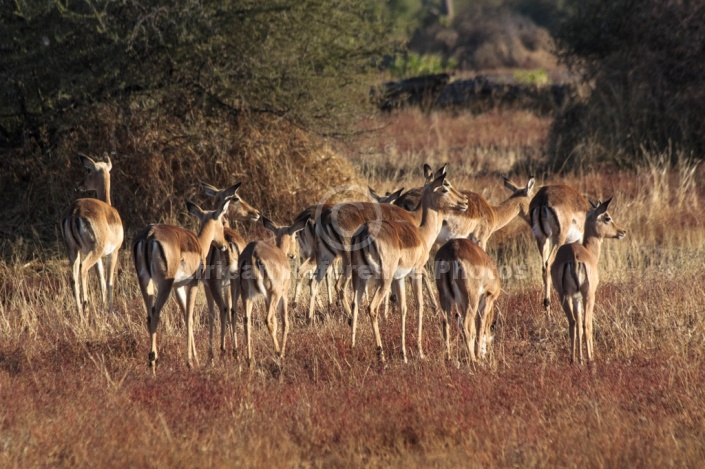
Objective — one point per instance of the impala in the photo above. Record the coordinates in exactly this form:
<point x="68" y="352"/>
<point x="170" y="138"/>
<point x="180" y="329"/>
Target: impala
<point x="393" y="250"/>
<point x="170" y="257"/>
<point x="557" y="217"/>
<point x="575" y="276"/>
<point x="92" y="229"/>
<point x="223" y="264"/>
<point x="264" y="270"/>
<point x="481" y="219"/>
<point x="466" y="276"/>
<point x="306" y="239"/>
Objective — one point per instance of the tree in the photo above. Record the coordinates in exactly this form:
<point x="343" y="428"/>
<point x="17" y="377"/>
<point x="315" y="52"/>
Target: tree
<point x="305" y="60"/>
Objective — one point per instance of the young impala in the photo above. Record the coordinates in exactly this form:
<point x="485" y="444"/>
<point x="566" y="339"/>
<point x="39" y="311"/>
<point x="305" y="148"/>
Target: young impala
<point x="392" y="250"/>
<point x="264" y="270"/>
<point x="575" y="276"/>
<point x="170" y="257"/>
<point x="557" y="218"/>
<point x="466" y="276"/>
<point x="222" y="265"/>
<point x="92" y="229"/>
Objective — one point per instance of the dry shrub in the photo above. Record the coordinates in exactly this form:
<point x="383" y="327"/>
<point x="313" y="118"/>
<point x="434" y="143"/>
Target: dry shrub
<point x="157" y="162"/>
<point x="483" y="39"/>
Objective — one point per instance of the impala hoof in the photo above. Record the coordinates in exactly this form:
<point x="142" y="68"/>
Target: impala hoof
<point x="380" y="355"/>
<point x="546" y="303"/>
<point x="393" y="298"/>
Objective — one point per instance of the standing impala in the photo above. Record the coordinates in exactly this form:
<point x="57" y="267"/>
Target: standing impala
<point x="466" y="276"/>
<point x="264" y="270"/>
<point x="92" y="229"/>
<point x="222" y="265"/>
<point x="392" y="250"/>
<point x="481" y="219"/>
<point x="170" y="257"/>
<point x="575" y="276"/>
<point x="557" y="218"/>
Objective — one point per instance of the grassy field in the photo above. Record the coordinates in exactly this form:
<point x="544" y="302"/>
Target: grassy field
<point x="80" y="394"/>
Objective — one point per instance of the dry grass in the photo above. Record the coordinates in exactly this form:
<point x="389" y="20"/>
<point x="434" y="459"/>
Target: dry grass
<point x="74" y="394"/>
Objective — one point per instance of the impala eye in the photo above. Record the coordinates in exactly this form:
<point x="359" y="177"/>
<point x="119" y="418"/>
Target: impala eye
<point x="608" y="219"/>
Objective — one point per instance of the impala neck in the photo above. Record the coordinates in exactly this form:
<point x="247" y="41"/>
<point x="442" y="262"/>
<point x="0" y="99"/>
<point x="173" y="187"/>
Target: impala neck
<point x="206" y="236"/>
<point x="103" y="192"/>
<point x="593" y="244"/>
<point x="430" y="221"/>
<point x="505" y="212"/>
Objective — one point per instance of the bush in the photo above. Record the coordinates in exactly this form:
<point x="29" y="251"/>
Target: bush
<point x="412" y="64"/>
<point x="641" y="63"/>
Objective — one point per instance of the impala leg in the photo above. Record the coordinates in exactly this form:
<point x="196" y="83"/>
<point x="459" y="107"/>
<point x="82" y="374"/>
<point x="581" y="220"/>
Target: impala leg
<point x="305" y="269"/>
<point x="470" y="324"/>
<point x="578" y="313"/>
<point x="111" y="265"/>
<point x="374" y="319"/>
<point x="101" y="280"/>
<point x="208" y="287"/>
<point x="544" y="245"/>
<point x="398" y="291"/>
<point x="429" y="288"/>
<point x="418" y="289"/>
<point x="75" y="260"/>
<point x="248" y="329"/>
<point x="89" y="261"/>
<point x="153" y="320"/>
<point x="357" y="299"/>
<point x="568" y="308"/>
<point x="272" y="305"/>
<point x="283" y="311"/>
<point x="446" y="318"/>
<point x="589" y="308"/>
<point x="234" y="298"/>
<point x="182" y="301"/>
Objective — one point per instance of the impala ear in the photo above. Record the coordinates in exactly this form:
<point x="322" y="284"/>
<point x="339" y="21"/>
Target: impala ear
<point x="209" y="190"/>
<point x="395" y="195"/>
<point x="509" y="184"/>
<point x="530" y="185"/>
<point x="602" y="208"/>
<point x="87" y="162"/>
<point x="441" y="171"/>
<point x="299" y="225"/>
<point x="438" y="182"/>
<point x="269" y="224"/>
<point x="230" y="191"/>
<point x="427" y="172"/>
<point x="594" y="205"/>
<point x="106" y="160"/>
<point x="373" y="194"/>
<point x="222" y="209"/>
<point x="193" y="209"/>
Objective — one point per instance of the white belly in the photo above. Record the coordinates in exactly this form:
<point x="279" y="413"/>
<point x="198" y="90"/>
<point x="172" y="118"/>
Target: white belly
<point x="401" y="273"/>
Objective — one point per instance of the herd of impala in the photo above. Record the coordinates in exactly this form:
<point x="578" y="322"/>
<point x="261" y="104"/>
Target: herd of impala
<point x="377" y="243"/>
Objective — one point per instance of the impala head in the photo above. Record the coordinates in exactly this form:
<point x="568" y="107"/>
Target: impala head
<point x="600" y="223"/>
<point x="389" y="198"/>
<point x="239" y="209"/>
<point x="443" y="194"/>
<point x="212" y="219"/>
<point x="523" y="194"/>
<point x="98" y="173"/>
<point x="284" y="236"/>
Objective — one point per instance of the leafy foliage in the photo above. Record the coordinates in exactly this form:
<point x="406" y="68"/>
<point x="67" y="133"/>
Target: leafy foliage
<point x="642" y="62"/>
<point x="304" y="60"/>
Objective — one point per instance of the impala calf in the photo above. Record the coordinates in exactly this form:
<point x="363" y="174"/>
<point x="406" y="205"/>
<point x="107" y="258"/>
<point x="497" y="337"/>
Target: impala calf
<point x="92" y="229"/>
<point x="557" y="218"/>
<point x="392" y="250"/>
<point x="169" y="257"/>
<point x="222" y="265"/>
<point x="466" y="276"/>
<point x="264" y="270"/>
<point x="576" y="276"/>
